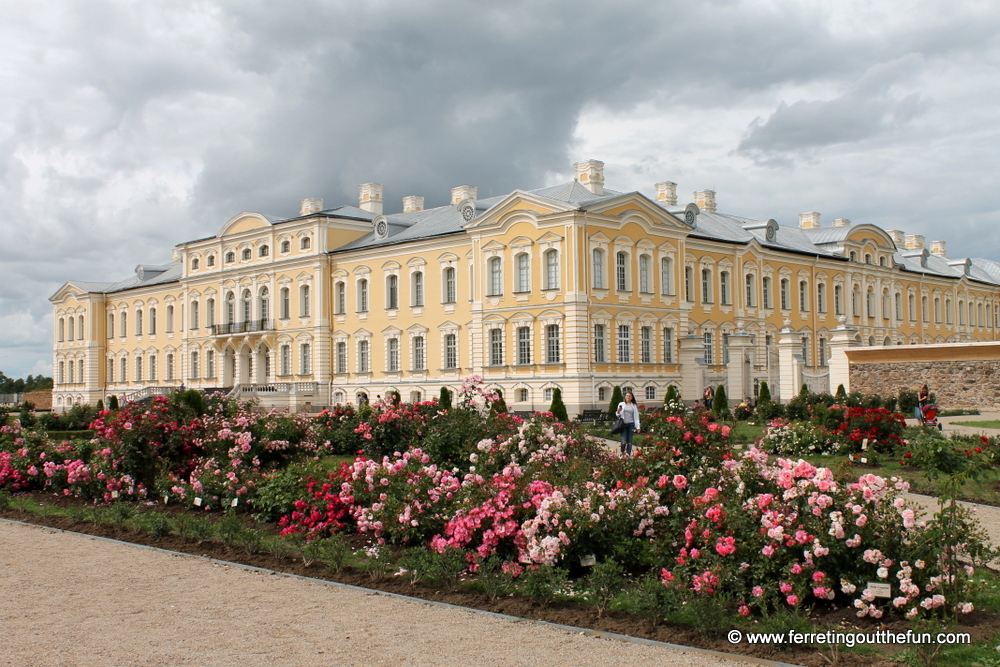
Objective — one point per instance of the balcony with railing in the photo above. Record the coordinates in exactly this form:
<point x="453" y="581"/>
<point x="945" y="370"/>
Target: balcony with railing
<point x="249" y="326"/>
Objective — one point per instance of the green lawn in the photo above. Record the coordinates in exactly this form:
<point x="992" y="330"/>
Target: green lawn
<point x="986" y="423"/>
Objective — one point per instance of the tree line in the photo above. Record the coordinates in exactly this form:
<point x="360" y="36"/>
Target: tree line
<point x="10" y="385"/>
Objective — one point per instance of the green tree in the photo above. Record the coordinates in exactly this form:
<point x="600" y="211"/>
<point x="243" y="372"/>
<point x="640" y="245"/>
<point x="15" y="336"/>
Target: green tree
<point x="616" y="398"/>
<point x="765" y="394"/>
<point x="671" y="394"/>
<point x="720" y="404"/>
<point x="558" y="408"/>
<point x="113" y="402"/>
<point x="841" y="393"/>
<point x="444" y="399"/>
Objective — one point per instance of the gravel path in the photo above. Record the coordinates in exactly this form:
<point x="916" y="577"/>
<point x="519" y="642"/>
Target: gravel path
<point x="74" y="601"/>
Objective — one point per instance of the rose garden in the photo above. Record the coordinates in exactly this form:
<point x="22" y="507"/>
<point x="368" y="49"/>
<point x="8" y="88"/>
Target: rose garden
<point x="803" y="524"/>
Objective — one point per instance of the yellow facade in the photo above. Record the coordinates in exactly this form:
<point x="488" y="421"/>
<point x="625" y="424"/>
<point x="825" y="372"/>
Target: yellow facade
<point x="571" y="287"/>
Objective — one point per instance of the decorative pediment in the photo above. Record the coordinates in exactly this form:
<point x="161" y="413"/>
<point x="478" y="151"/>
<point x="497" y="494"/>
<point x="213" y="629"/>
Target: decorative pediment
<point x="518" y="204"/>
<point x="865" y="233"/>
<point x="635" y="207"/>
<point x="244" y="222"/>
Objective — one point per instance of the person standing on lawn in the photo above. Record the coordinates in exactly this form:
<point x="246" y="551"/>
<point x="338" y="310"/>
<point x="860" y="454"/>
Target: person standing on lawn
<point x="629" y="412"/>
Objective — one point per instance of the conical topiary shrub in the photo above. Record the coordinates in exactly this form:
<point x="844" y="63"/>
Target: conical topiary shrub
<point x="444" y="399"/>
<point x="616" y="398"/>
<point x="720" y="404"/>
<point x="765" y="394"/>
<point x="841" y="394"/>
<point x="671" y="395"/>
<point x="113" y="402"/>
<point x="558" y="408"/>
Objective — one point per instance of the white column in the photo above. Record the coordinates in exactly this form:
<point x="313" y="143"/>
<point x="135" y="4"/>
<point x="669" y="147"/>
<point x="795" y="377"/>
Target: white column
<point x="841" y="339"/>
<point x="789" y="363"/>
<point x="739" y="368"/>
<point x="692" y="347"/>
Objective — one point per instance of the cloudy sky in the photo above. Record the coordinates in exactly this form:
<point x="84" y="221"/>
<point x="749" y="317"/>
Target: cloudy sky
<point x="128" y="127"/>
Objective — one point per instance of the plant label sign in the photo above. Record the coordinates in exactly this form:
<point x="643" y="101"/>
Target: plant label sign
<point x="114" y="494"/>
<point x="588" y="561"/>
<point x="165" y="499"/>
<point x="864" y="445"/>
<point x="880" y="590"/>
<point x="197" y="502"/>
<point x="236" y="501"/>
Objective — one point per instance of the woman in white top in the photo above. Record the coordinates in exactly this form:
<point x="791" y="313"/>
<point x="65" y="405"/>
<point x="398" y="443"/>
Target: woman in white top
<point x="629" y="412"/>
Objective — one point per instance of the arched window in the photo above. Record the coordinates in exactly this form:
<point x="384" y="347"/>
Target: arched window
<point x="305" y="358"/>
<point x="170" y="318"/>
<point x="286" y="246"/>
<point x="911" y="305"/>
<point x="783" y="287"/>
<point x="152" y="321"/>
<point x="305" y="243"/>
<point x="899" y="306"/>
<point x="138" y="322"/>
<point x="62" y="327"/>
<point x="79" y="326"/>
<point x="247" y="254"/>
<point x="450" y="291"/>
<point x="854" y="256"/>
<point x="886" y="305"/>
<point x="230" y="257"/>
<point x="552" y="269"/>
<point x="417" y="282"/>
<point x="621" y="271"/>
<point x="194" y="264"/>
<point x="211" y="260"/>
<point x="870" y="302"/>
<point x="881" y="260"/>
<point x="363" y="295"/>
<point x="724" y="288"/>
<point x="688" y="283"/>
<point x="947" y="311"/>
<point x="924" y="310"/>
<point x="305" y="307"/>
<point x="645" y="279"/>
<point x="341" y="357"/>
<point x="803" y="295"/>
<point x="111" y="325"/>
<point x="247" y="306"/>
<point x="496" y="277"/>
<point x="123" y="324"/>
<point x="264" y="251"/>
<point x="598" y="262"/>
<point x="666" y="275"/>
<point x="523" y="262"/>
<point x="340" y="298"/>
<point x="230" y="308"/>
<point x="750" y="289"/>
<point x="552" y="344"/>
<point x="193" y="320"/>
<point x="392" y="292"/>
<point x="210" y="312"/>
<point x="264" y="304"/>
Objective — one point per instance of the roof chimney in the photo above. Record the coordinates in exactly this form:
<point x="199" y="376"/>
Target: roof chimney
<point x="914" y="242"/>
<point x="370" y="198"/>
<point x="898" y="237"/>
<point x="413" y="203"/>
<point x="310" y="206"/>
<point x="666" y="193"/>
<point x="463" y="192"/>
<point x="939" y="248"/>
<point x="841" y="222"/>
<point x="590" y="174"/>
<point x="809" y="220"/>
<point x="705" y="199"/>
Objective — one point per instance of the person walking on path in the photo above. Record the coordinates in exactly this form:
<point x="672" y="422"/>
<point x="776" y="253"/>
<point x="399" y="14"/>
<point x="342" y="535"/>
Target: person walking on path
<point x="629" y="412"/>
<point x="923" y="400"/>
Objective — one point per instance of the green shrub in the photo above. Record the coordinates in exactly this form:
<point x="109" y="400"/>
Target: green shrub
<point x="770" y="410"/>
<point x="229" y="528"/>
<point x="430" y="566"/>
<point x="872" y="402"/>
<point x="277" y="493"/>
<point x="720" y="404"/>
<point x="330" y="551"/>
<point x="605" y="581"/>
<point x="444" y="399"/>
<point x="113" y="402"/>
<point x="558" y="408"/>
<point x="841" y="394"/>
<point x="543" y="583"/>
<point x="670" y="395"/>
<point x="616" y="398"/>
<point x="4" y="499"/>
<point x="155" y="524"/>
<point x="907" y="402"/>
<point x="494" y="580"/>
<point x="765" y="394"/>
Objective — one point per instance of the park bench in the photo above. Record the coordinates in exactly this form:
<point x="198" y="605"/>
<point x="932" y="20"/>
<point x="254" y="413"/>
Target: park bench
<point x="592" y="417"/>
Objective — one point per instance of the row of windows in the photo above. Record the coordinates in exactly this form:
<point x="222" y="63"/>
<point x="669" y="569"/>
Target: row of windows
<point x="523" y="346"/>
<point x="418" y="355"/>
<point x="522" y="274"/>
<point x="75" y="328"/>
<point x="194" y="365"/>
<point x="625" y="347"/>
<point x="246" y="254"/>
<point x="449" y="292"/>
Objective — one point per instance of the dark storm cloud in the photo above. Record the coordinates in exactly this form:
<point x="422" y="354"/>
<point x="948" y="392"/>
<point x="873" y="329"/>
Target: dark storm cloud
<point x="130" y="127"/>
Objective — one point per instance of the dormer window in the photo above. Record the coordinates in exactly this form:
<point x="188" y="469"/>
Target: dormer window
<point x="305" y="243"/>
<point x="194" y="264"/>
<point x="881" y="261"/>
<point x="854" y="256"/>
<point x="230" y="257"/>
<point x="286" y="246"/>
<point x="247" y="254"/>
<point x="264" y="251"/>
<point x="868" y="258"/>
<point x="210" y="261"/>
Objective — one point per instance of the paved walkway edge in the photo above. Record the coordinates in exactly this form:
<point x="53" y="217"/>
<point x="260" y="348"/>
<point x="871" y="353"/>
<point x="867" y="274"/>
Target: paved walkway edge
<point x="565" y="628"/>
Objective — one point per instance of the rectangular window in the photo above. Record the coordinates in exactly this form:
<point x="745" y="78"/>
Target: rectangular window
<point x="72" y="371"/>
<point x="193" y="369"/>
<point x="305" y="355"/>
<point x="911" y="303"/>
<point x="496" y="277"/>
<point x="286" y="304"/>
<point x="724" y="288"/>
<point x="750" y="290"/>
<point x="598" y="269"/>
<point x="552" y="344"/>
<point x="340" y="298"/>
<point x="418" y="289"/>
<point x="419" y="363"/>
<point x="363" y="296"/>
<point x="650" y="393"/>
<point x="688" y="286"/>
<point x="496" y="347"/>
<point x="552" y="269"/>
<point x="170" y="367"/>
<point x="152" y="321"/>
<point x="304" y="305"/>
<point x="803" y="296"/>
<point x="392" y="292"/>
<point x="646" y="345"/>
<point x="138" y="324"/>
<point x="899" y="306"/>
<point x="111" y="371"/>
<point x="122" y="369"/>
<point x="152" y="367"/>
<point x="450" y="351"/>
<point x="923" y="309"/>
<point x="286" y="360"/>
<point x="668" y="346"/>
<point x="784" y="293"/>
<point x="362" y="356"/>
<point x="624" y="353"/>
<point x="449" y="285"/>
<point x="709" y="348"/>
<point x="725" y="348"/>
<point x="821" y="297"/>
<point x="838" y="300"/>
<point x="765" y="284"/>
<point x="706" y="286"/>
<point x="341" y="364"/>
<point x="209" y="364"/>
<point x="523" y="345"/>
<point x="644" y="285"/>
<point x="666" y="276"/>
<point x="210" y="313"/>
<point x="621" y="271"/>
<point x="599" y="356"/>
<point x="393" y="355"/>
<point x="194" y="315"/>
<point x="523" y="273"/>
<point x="822" y="352"/>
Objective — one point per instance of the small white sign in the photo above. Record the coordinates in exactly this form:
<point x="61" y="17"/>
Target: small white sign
<point x="165" y="499"/>
<point x="588" y="561"/>
<point x="197" y="502"/>
<point x="864" y="445"/>
<point x="236" y="501"/>
<point x="864" y="460"/>
<point x="114" y="494"/>
<point x="880" y="590"/>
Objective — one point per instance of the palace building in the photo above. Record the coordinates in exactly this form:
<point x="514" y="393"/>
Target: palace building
<point x="572" y="286"/>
